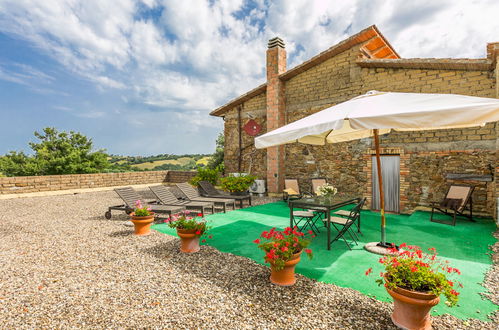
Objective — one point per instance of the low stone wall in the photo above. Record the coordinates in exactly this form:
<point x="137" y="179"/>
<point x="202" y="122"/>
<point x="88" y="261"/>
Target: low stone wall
<point x="179" y="176"/>
<point x="30" y="184"/>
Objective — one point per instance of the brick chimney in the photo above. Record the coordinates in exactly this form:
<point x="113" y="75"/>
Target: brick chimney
<point x="276" y="64"/>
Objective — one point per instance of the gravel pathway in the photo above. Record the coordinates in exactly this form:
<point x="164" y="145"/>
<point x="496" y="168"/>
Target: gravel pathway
<point x="64" y="266"/>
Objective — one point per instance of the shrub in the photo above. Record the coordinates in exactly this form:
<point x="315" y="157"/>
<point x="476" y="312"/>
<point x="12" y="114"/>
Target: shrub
<point x="205" y="174"/>
<point x="237" y="183"/>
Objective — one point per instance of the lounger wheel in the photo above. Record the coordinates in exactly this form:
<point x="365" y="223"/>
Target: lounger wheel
<point x="108" y="215"/>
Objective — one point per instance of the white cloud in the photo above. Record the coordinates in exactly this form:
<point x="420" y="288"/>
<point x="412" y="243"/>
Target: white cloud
<point x="189" y="57"/>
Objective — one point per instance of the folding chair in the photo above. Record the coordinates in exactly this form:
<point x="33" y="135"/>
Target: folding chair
<point x="455" y="203"/>
<point x="309" y="217"/>
<point x="316" y="183"/>
<point x="291" y="190"/>
<point x="342" y="225"/>
<point x="346" y="213"/>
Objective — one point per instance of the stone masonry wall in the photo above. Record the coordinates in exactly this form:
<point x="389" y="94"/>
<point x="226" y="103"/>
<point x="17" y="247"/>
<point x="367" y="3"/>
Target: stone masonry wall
<point x="256" y="158"/>
<point x="28" y="184"/>
<point x="471" y="150"/>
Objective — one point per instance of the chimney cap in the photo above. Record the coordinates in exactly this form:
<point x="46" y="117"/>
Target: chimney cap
<point x="276" y="42"/>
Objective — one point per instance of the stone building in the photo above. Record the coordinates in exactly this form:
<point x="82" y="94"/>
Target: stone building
<point x="428" y="161"/>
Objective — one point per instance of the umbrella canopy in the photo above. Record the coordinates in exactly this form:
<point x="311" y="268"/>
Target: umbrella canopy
<point x="356" y="118"/>
<point x="378" y="113"/>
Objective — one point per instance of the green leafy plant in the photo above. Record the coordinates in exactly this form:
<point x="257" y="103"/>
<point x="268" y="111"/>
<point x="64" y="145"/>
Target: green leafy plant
<point x="280" y="246"/>
<point x="237" y="183"/>
<point x="411" y="269"/>
<point x="217" y="159"/>
<point x="141" y="211"/>
<point x="187" y="222"/>
<point x="205" y="174"/>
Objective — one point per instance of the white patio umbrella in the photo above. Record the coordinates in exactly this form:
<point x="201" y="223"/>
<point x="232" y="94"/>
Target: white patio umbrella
<point x="377" y="113"/>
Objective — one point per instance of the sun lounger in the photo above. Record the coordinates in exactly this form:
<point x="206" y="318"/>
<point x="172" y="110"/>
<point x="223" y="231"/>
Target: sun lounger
<point x="166" y="197"/>
<point x="130" y="196"/>
<point x="210" y="191"/>
<point x="223" y="202"/>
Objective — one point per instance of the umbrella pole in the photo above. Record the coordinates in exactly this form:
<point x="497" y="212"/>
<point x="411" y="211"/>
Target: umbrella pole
<point x="380" y="185"/>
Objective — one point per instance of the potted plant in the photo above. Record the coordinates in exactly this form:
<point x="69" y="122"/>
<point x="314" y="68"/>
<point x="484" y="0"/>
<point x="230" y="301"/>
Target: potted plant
<point x="415" y="280"/>
<point x="282" y="252"/>
<point x="189" y="229"/>
<point x="326" y="191"/>
<point x="142" y="218"/>
<point x="237" y="185"/>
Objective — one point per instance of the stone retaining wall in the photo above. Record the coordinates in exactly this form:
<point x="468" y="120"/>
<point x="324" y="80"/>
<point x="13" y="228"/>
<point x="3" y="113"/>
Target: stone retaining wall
<point x="29" y="184"/>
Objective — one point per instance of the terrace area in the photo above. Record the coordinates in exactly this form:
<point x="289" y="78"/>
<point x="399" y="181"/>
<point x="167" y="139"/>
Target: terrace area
<point x="65" y="265"/>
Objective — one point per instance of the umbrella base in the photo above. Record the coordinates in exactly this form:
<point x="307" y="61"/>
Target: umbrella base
<point x="379" y="248"/>
<point x="387" y="245"/>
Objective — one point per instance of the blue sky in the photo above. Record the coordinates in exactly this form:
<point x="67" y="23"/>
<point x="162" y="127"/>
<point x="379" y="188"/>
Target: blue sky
<point x="140" y="77"/>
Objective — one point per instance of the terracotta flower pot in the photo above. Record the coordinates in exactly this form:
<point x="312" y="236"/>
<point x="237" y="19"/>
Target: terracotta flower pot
<point x="142" y="224"/>
<point x="411" y="309"/>
<point x="189" y="241"/>
<point x="285" y="276"/>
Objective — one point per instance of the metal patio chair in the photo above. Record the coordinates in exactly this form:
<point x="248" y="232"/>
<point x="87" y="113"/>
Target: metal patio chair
<point x="291" y="185"/>
<point x="346" y="213"/>
<point x="343" y="224"/>
<point x="316" y="183"/>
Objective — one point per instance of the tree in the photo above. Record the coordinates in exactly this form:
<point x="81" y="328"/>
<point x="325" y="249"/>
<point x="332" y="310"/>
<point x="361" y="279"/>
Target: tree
<point x="217" y="159"/>
<point x="56" y="153"/>
<point x="18" y="164"/>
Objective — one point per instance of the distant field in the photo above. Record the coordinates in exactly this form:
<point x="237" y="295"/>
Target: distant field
<point x="181" y="161"/>
<point x="204" y="160"/>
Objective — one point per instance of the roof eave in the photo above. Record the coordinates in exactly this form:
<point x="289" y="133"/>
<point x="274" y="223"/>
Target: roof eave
<point x="428" y="63"/>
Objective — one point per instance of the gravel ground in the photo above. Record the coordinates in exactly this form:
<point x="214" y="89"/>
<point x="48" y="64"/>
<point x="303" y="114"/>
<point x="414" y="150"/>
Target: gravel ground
<point x="64" y="266"/>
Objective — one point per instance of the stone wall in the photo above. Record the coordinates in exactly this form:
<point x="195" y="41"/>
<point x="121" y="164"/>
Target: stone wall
<point x="251" y="157"/>
<point x="343" y="76"/>
<point x="29" y="184"/>
<point x="179" y="176"/>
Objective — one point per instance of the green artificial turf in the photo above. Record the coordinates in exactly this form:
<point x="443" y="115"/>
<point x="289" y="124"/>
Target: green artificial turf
<point x="466" y="246"/>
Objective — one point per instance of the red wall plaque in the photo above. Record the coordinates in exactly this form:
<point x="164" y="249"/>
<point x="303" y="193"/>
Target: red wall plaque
<point x="252" y="128"/>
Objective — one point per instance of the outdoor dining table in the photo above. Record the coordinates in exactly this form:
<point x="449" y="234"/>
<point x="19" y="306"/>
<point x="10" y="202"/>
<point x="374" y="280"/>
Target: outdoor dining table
<point x="323" y="205"/>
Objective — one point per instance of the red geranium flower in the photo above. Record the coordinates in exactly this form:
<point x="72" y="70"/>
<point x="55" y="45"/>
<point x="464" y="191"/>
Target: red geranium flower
<point x="257" y="241"/>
